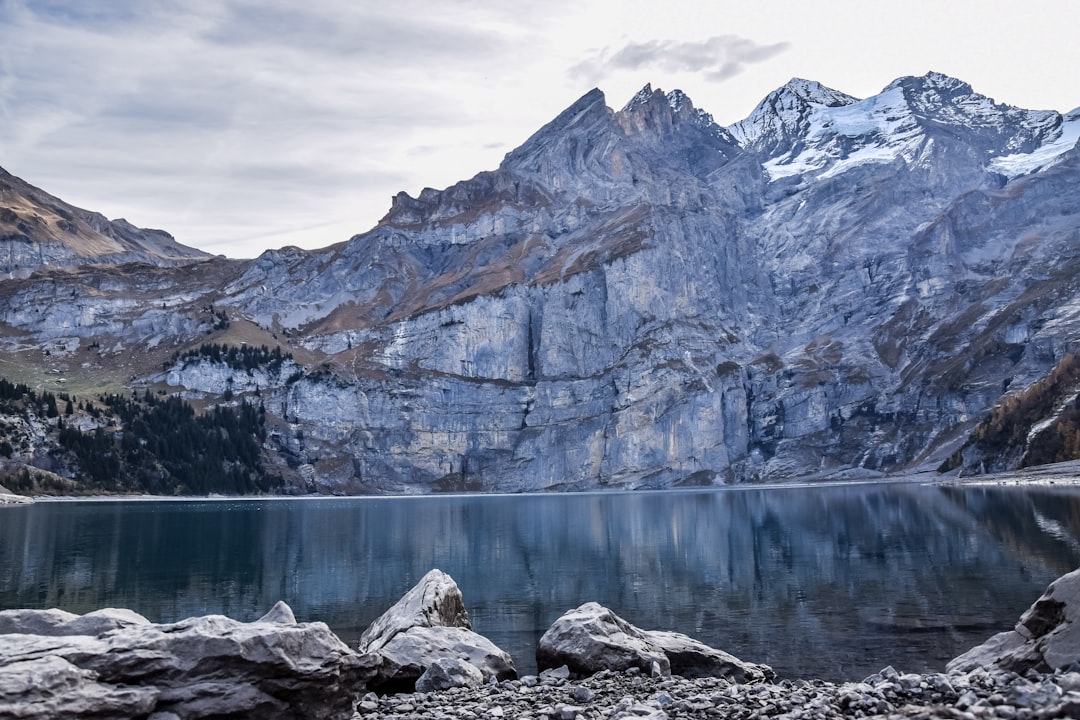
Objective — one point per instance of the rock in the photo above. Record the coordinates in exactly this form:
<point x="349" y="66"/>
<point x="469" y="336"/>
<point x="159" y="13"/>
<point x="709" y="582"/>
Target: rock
<point x="435" y="601"/>
<point x="429" y="623"/>
<point x="691" y="658"/>
<point x="280" y="613"/>
<point x="199" y="667"/>
<point x="446" y="673"/>
<point x="60" y="623"/>
<point x="592" y="638"/>
<point x="51" y="687"/>
<point x="1046" y="638"/>
<point x="34" y="622"/>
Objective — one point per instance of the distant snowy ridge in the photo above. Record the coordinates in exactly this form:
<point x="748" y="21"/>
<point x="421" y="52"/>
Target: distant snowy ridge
<point x="807" y="128"/>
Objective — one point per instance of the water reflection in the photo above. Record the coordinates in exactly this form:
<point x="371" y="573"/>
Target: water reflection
<point x="832" y="582"/>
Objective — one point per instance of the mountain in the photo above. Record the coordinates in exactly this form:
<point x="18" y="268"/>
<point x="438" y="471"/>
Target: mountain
<point x="832" y="287"/>
<point x="39" y="230"/>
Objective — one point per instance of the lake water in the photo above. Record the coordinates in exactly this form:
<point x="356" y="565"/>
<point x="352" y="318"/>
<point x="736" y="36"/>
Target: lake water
<point x="832" y="582"/>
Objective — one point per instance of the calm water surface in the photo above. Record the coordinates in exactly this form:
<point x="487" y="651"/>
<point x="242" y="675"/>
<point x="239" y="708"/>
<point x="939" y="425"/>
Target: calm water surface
<point x="832" y="582"/>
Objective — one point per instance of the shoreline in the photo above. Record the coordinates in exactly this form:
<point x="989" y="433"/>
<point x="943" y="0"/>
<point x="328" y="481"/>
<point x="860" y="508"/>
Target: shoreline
<point x="1066" y="474"/>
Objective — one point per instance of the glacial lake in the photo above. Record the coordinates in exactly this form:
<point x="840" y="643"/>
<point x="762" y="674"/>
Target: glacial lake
<point x="833" y="582"/>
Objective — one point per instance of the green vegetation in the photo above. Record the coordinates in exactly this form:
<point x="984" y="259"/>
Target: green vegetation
<point x="243" y="358"/>
<point x="144" y="445"/>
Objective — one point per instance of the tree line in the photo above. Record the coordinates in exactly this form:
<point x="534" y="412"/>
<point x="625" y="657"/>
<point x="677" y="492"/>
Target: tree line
<point x="150" y="444"/>
<point x="238" y="357"/>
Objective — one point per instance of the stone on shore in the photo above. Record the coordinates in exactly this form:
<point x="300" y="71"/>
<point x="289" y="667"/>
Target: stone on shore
<point x="116" y="664"/>
<point x="429" y="623"/>
<point x="592" y="638"/>
<point x="1046" y="639"/>
<point x="446" y="673"/>
<point x="694" y="659"/>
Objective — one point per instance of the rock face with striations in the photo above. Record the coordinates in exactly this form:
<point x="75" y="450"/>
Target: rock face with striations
<point x="427" y="626"/>
<point x="592" y="638"/>
<point x="116" y="664"/>
<point x="642" y="298"/>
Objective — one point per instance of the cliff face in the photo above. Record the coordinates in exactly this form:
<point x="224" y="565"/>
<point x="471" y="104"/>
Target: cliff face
<point x="642" y="298"/>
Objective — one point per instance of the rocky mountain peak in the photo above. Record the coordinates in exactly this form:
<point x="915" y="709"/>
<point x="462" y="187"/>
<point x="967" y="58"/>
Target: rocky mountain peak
<point x="813" y="92"/>
<point x="659" y="113"/>
<point x="785" y="113"/>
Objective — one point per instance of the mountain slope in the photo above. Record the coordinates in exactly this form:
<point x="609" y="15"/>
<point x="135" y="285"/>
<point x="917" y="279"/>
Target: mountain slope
<point x="37" y="229"/>
<point x="642" y="298"/>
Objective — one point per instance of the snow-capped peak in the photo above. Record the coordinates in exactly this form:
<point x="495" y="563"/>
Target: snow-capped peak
<point x="815" y="93"/>
<point x="805" y="127"/>
<point x="784" y="110"/>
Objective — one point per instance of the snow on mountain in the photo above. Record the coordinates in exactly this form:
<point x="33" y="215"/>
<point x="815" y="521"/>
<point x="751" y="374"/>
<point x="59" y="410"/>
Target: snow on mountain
<point x="784" y="111"/>
<point x="1057" y="143"/>
<point x="803" y="128"/>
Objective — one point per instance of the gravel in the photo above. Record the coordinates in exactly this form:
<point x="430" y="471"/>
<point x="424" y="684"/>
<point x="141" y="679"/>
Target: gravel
<point x="977" y="695"/>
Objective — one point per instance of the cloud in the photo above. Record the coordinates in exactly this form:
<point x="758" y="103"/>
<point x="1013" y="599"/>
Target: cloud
<point x="221" y="119"/>
<point x="717" y="58"/>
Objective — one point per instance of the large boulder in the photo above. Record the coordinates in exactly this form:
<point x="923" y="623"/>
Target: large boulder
<point x="429" y="623"/>
<point x="197" y="668"/>
<point x="1046" y="638"/>
<point x="592" y="638"/>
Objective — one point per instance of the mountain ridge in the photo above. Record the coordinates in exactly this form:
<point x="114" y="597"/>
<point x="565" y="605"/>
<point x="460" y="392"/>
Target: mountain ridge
<point x="40" y="230"/>
<point x="639" y="298"/>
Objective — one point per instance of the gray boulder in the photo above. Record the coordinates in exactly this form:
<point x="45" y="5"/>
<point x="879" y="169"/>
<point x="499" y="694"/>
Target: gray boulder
<point x="429" y="623"/>
<point x="435" y="601"/>
<point x="592" y="638"/>
<point x="200" y="667"/>
<point x="693" y="659"/>
<point x="1046" y="638"/>
<point x="447" y="673"/>
<point x="52" y="687"/>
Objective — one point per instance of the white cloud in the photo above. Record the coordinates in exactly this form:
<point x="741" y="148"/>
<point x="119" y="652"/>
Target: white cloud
<point x="183" y="112"/>
<point x="717" y="58"/>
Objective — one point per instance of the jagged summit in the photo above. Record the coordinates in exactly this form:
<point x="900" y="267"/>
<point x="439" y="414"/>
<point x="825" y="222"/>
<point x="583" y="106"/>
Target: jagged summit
<point x="784" y="112"/>
<point x="814" y="92"/>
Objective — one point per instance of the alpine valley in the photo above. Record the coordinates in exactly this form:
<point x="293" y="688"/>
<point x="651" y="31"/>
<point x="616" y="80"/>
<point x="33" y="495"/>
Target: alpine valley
<point x="641" y="298"/>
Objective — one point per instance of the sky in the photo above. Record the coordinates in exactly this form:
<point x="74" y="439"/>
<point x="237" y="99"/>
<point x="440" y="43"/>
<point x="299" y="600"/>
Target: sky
<point x="244" y="125"/>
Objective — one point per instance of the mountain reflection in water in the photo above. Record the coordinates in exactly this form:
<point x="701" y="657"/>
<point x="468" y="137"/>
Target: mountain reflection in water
<point x="831" y="582"/>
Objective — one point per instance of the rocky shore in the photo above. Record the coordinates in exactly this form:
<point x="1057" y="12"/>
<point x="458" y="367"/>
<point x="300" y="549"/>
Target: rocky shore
<point x="607" y="695"/>
<point x="421" y="659"/>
